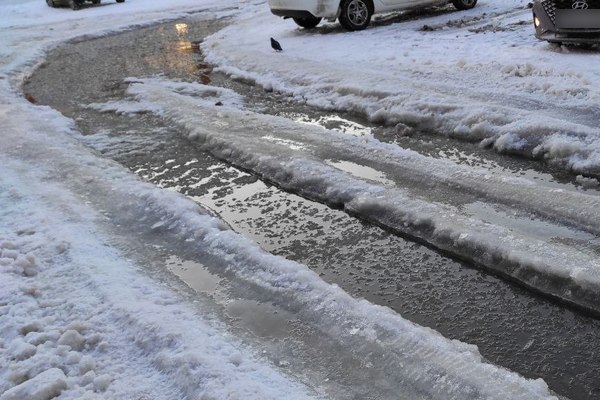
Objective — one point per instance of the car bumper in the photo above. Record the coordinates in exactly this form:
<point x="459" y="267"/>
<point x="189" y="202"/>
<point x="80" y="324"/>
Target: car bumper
<point x="304" y="8"/>
<point x="545" y="22"/>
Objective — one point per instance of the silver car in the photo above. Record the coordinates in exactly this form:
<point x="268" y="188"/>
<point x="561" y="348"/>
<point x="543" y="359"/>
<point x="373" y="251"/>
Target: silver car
<point x="74" y="4"/>
<point x="353" y="15"/>
<point x="567" y="21"/>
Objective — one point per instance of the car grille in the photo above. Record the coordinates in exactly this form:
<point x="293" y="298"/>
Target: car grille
<point x="550" y="6"/>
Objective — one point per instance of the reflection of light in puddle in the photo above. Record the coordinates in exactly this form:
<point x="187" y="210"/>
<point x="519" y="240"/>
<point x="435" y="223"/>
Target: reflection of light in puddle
<point x="194" y="274"/>
<point x="333" y="122"/>
<point x="182" y="29"/>
<point x="184" y="46"/>
<point x="362" y="172"/>
<point x="263" y="320"/>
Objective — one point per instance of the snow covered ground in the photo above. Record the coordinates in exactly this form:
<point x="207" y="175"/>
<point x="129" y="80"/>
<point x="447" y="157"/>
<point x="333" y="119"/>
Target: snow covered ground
<point x="82" y="318"/>
<point x="478" y="75"/>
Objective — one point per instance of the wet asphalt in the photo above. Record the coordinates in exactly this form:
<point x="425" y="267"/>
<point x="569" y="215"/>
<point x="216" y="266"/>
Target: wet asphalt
<point x="511" y="326"/>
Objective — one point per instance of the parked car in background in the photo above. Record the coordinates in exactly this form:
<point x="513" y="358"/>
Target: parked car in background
<point x="567" y="21"/>
<point x="74" y="4"/>
<point x="353" y="15"/>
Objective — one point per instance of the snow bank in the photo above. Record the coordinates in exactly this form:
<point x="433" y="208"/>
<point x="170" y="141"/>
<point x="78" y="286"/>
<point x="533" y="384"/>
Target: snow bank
<point x="478" y="75"/>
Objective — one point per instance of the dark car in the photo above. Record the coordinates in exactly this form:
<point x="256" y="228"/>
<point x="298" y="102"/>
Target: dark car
<point x="74" y="4"/>
<point x="567" y="21"/>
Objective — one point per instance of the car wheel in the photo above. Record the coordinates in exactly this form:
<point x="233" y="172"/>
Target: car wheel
<point x="307" y="22"/>
<point x="74" y="4"/>
<point x="464" y="4"/>
<point x="120" y="1"/>
<point x="355" y="14"/>
<point x="96" y="2"/>
<point x="50" y="3"/>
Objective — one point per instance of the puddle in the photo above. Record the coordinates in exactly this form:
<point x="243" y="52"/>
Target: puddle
<point x="285" y="142"/>
<point x="194" y="274"/>
<point x="263" y="320"/>
<point x="361" y="171"/>
<point x="332" y="122"/>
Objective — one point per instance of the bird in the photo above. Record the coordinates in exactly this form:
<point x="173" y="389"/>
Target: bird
<point x="30" y="98"/>
<point x="275" y="45"/>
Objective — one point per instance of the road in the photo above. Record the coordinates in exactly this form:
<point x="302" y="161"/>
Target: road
<point x="512" y="326"/>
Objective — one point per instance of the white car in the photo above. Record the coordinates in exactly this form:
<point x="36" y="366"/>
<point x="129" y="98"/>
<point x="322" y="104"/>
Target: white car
<point x="354" y="15"/>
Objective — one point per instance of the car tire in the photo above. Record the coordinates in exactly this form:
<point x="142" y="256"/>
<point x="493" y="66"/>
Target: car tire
<point x="96" y="2"/>
<point x="120" y="1"/>
<point x="51" y="3"/>
<point x="355" y="15"/>
<point x="307" y="22"/>
<point x="74" y="4"/>
<point x="464" y="4"/>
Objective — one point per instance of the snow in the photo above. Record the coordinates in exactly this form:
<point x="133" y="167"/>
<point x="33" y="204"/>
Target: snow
<point x="478" y="75"/>
<point x="82" y="318"/>
<point x="44" y="386"/>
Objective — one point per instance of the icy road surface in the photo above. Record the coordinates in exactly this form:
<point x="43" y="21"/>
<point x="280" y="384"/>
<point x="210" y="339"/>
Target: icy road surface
<point x="547" y="340"/>
<point x="82" y="314"/>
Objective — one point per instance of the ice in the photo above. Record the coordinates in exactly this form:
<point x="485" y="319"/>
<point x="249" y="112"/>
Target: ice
<point x="45" y="386"/>
<point x="102" y="382"/>
<point x="73" y="339"/>
<point x="21" y="350"/>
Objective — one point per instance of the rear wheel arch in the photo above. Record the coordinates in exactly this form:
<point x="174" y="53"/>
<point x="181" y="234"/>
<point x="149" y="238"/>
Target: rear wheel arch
<point x="307" y="22"/>
<point x="464" y="4"/>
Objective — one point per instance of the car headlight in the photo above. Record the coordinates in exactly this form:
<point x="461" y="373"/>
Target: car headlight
<point x="536" y="21"/>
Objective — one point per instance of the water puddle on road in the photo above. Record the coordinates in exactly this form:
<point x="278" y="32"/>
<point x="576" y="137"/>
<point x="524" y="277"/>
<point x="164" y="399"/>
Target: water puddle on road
<point x="332" y="122"/>
<point x="194" y="275"/>
<point x="362" y="172"/>
<point x="261" y="319"/>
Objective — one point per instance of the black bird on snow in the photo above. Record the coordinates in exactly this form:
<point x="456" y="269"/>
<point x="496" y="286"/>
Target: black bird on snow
<point x="275" y="45"/>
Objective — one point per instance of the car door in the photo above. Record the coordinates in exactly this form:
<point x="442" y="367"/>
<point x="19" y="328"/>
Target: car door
<point x="399" y="3"/>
